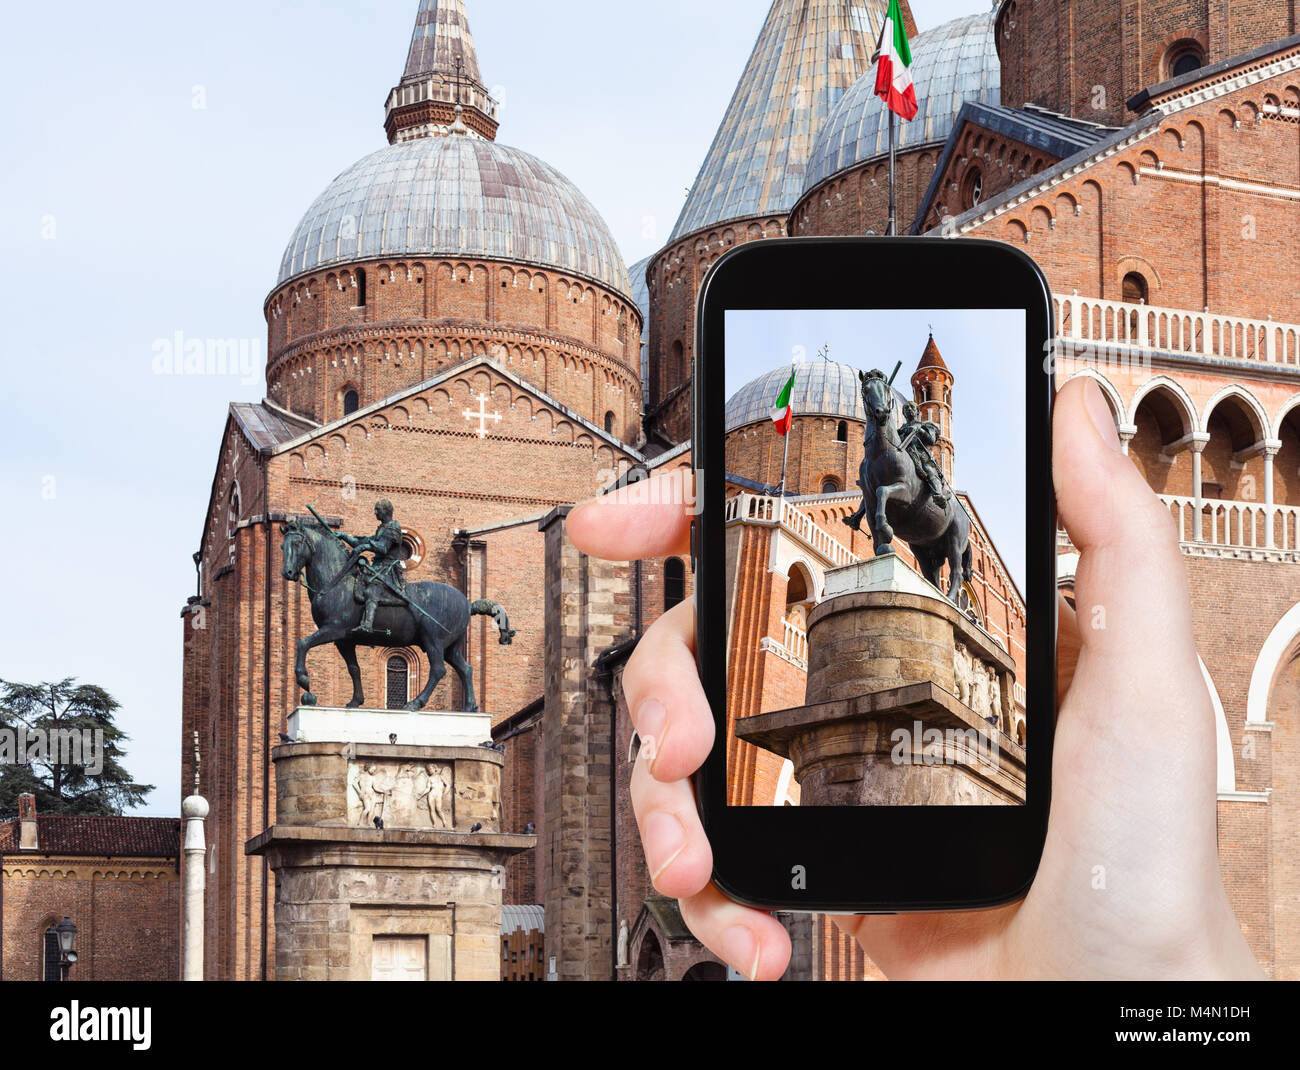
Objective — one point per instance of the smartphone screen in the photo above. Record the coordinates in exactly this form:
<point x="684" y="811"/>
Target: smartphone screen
<point x="875" y="537"/>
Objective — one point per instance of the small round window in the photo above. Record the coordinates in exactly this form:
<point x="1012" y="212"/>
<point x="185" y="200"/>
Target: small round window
<point x="412" y="550"/>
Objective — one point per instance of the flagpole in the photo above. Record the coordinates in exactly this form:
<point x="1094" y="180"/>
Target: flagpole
<point x="893" y="221"/>
<point x="785" y="457"/>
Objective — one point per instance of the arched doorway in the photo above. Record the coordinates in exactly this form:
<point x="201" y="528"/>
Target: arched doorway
<point x="650" y="958"/>
<point x="706" y="971"/>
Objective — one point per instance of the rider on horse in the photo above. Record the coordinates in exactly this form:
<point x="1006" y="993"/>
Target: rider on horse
<point x="923" y="435"/>
<point x="384" y="579"/>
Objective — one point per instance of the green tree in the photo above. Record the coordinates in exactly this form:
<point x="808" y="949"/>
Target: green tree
<point x="54" y="710"/>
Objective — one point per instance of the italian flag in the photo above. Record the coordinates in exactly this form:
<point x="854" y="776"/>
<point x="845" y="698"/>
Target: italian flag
<point x="782" y="411"/>
<point x="894" y="74"/>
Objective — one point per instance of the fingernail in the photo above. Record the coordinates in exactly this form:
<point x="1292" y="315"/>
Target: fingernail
<point x="740" y="949"/>
<point x="651" y="726"/>
<point x="1101" y="415"/>
<point x="664" y="841"/>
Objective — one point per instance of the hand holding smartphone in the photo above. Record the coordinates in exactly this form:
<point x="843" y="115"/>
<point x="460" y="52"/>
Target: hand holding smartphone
<point x="1127" y="883"/>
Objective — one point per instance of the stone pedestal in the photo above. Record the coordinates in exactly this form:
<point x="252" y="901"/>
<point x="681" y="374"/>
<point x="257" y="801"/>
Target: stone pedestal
<point x="419" y="897"/>
<point x="908" y="702"/>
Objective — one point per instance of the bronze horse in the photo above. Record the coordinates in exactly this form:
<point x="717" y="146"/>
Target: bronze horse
<point x="904" y="506"/>
<point x="437" y="624"/>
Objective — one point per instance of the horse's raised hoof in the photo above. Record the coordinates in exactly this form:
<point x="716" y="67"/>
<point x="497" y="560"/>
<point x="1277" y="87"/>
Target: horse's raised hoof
<point x="309" y="699"/>
<point x="856" y="525"/>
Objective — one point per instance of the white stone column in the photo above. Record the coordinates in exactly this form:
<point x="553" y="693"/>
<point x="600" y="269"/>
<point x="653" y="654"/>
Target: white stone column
<point x="1271" y="449"/>
<point x="1127" y="432"/>
<point x="194" y="810"/>
<point x="1197" y="445"/>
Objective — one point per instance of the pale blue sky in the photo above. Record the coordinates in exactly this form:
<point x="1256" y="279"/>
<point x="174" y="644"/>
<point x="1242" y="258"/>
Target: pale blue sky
<point x="130" y="214"/>
<point x="984" y="350"/>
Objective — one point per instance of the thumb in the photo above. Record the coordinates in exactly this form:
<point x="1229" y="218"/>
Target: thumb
<point x="1135" y="747"/>
<point x="1131" y="590"/>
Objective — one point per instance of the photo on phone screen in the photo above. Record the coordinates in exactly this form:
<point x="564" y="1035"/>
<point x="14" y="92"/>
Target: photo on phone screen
<point x="875" y="553"/>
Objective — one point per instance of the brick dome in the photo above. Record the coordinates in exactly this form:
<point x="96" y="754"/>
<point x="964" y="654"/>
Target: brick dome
<point x="456" y="195"/>
<point x="821" y="388"/>
<point x="951" y="64"/>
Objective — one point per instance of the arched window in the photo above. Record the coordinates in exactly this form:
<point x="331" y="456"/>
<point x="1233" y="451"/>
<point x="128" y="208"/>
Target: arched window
<point x="609" y="423"/>
<point x="1136" y="291"/>
<point x="677" y="366"/>
<point x="234" y="510"/>
<point x="842" y="431"/>
<point x="622" y="325"/>
<point x="674" y="582"/>
<point x="351" y="402"/>
<point x="972" y="191"/>
<point x="831" y="486"/>
<point x="361" y="287"/>
<point x="1183" y="58"/>
<point x="399" y="682"/>
<point x="51" y="956"/>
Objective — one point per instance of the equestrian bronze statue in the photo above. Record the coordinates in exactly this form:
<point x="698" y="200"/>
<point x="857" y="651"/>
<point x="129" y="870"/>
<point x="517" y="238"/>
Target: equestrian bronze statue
<point x="356" y="602"/>
<point x="905" y="493"/>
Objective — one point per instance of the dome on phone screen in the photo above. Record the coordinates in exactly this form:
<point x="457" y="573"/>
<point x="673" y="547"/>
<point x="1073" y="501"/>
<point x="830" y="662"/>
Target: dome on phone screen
<point x="821" y="388"/>
<point x="951" y="64"/>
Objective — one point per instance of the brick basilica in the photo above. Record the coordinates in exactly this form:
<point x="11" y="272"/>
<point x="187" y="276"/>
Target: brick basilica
<point x="453" y="328"/>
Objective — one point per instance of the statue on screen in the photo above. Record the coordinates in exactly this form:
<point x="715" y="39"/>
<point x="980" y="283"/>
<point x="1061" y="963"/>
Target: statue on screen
<point x="903" y="491"/>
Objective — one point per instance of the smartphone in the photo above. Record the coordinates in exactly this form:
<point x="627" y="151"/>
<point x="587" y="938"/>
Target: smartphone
<point x="876" y="572"/>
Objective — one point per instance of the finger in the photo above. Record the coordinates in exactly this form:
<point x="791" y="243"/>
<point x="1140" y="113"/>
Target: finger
<point x="751" y="942"/>
<point x="677" y="852"/>
<point x="669" y="710"/>
<point x="651" y="518"/>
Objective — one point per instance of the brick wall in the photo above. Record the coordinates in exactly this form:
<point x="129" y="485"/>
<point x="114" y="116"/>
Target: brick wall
<point x="1087" y="58"/>
<point x="126" y="912"/>
<point x="588" y="610"/>
<point x="674" y="277"/>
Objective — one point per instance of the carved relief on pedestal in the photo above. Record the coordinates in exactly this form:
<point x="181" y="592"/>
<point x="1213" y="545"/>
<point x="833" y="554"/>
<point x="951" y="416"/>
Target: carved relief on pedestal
<point x="408" y="795"/>
<point x="977" y="684"/>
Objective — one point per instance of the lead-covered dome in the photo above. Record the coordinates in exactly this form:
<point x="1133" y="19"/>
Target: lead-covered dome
<point x="821" y="388"/>
<point x="951" y="64"/>
<point x="457" y="196"/>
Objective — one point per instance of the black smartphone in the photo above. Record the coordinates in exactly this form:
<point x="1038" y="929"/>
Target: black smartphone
<point x="876" y="572"/>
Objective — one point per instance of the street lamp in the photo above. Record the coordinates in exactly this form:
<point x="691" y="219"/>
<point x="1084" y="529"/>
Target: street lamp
<point x="67" y="933"/>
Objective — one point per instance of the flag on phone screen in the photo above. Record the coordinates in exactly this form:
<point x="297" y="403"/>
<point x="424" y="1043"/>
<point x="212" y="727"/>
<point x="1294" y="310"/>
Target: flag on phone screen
<point x="782" y="412"/>
<point x="894" y="73"/>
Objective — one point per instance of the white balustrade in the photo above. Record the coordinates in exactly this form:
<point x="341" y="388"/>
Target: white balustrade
<point x="1236" y="524"/>
<point x="759" y="509"/>
<point x="1084" y="320"/>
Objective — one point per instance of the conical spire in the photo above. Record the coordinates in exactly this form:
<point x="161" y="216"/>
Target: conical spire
<point x="441" y="36"/>
<point x="441" y="71"/>
<point x="808" y="54"/>
<point x="931" y="358"/>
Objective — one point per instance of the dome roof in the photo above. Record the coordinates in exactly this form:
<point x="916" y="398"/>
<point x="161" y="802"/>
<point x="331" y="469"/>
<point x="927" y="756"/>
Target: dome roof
<point x="807" y="55"/>
<point x="821" y="388"/>
<point x="459" y="196"/>
<point x="951" y="64"/>
<point x="640" y="292"/>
